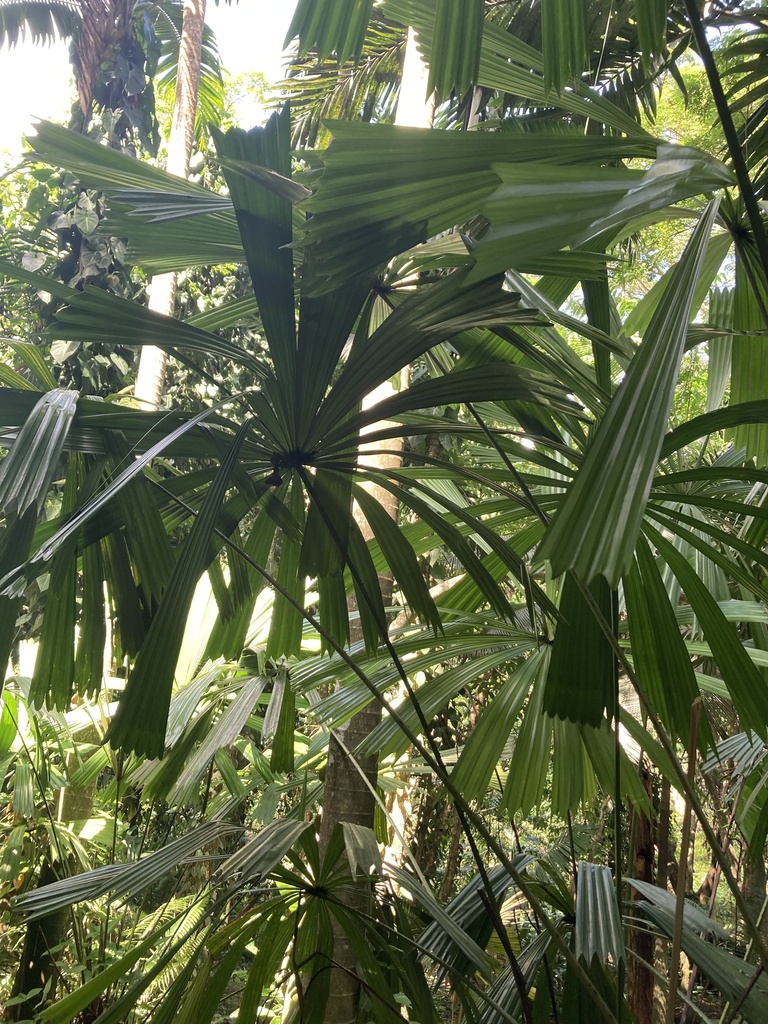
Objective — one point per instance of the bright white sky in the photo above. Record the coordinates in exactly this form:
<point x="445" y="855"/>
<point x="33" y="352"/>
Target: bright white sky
<point x="36" y="82"/>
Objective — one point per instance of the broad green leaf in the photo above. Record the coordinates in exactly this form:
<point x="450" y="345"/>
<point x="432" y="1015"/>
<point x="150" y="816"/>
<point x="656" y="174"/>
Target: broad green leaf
<point x="27" y="471"/>
<point x="261" y="854"/>
<point x="53" y="678"/>
<point x="600" y="746"/>
<point x="749" y="366"/>
<point x="145" y="533"/>
<point x="369" y="600"/>
<point x="660" y="656"/>
<point x="598" y="307"/>
<point x="434" y="313"/>
<point x="362" y="850"/>
<point x="485" y="383"/>
<point x="96" y="504"/>
<point x="11" y="379"/>
<point x="475" y="956"/>
<point x="456" y="40"/>
<point x="431" y="507"/>
<point x="122" y="880"/>
<point x="330" y="27"/>
<point x="15" y="544"/>
<point x="92" y="627"/>
<point x="385" y="188"/>
<point x="598" y="930"/>
<point x="746" y="684"/>
<point x="8" y="722"/>
<point x="33" y="357"/>
<point x="595" y="530"/>
<point x="280" y="722"/>
<point x="539" y="209"/>
<point x="266" y="964"/>
<point x="640" y="317"/>
<point x="123" y="596"/>
<point x="325" y="548"/>
<point x="711" y="422"/>
<point x="228" y="639"/>
<point x="400" y="557"/>
<point x="205" y="228"/>
<point x="719" y="349"/>
<point x="139" y="723"/>
<point x="325" y="324"/>
<point x="483" y="750"/>
<point x="528" y="768"/>
<point x="573" y="778"/>
<point x="508" y="64"/>
<point x="96" y="315"/>
<point x="470" y="913"/>
<point x="225" y="731"/>
<point x="581" y="678"/>
<point x="265" y="222"/>
<point x="564" y="42"/>
<point x="431" y="696"/>
<point x="38" y="23"/>
<point x="651" y="25"/>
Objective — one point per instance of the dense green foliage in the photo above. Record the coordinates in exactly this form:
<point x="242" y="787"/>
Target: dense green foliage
<point x="577" y="572"/>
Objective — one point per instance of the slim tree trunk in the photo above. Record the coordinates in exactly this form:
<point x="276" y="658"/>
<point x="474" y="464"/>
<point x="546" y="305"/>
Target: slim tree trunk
<point x="639" y="976"/>
<point x="150" y="379"/>
<point x="37" y="972"/>
<point x="350" y="781"/>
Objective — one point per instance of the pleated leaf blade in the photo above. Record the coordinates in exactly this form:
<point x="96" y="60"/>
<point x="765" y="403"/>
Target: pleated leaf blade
<point x="595" y="529"/>
<point x="141" y="719"/>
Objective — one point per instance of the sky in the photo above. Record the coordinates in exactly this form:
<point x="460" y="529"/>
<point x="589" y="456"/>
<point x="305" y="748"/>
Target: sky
<point x="36" y="80"/>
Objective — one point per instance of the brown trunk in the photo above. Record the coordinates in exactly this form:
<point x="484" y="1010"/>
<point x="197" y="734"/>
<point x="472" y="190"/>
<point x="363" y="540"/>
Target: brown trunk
<point x="350" y="777"/>
<point x="665" y="853"/>
<point x="37" y="971"/>
<point x="453" y="858"/>
<point x="639" y="977"/>
<point x="753" y="886"/>
<point x="105" y="26"/>
<point x="432" y="822"/>
<point x="150" y="379"/>
<point x="347" y="798"/>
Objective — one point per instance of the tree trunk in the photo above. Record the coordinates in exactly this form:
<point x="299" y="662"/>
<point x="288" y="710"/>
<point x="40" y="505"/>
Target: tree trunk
<point x="665" y="853"/>
<point x="105" y="27"/>
<point x="37" y="972"/>
<point x="753" y="886"/>
<point x="150" y="379"/>
<point x="639" y="977"/>
<point x="349" y="782"/>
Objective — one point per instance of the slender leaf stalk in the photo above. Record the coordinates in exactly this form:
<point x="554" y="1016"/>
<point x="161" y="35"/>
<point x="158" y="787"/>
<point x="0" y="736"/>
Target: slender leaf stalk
<point x="677" y="934"/>
<point x="729" y="130"/>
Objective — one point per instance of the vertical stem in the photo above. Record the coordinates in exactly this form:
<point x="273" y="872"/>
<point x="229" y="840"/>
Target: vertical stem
<point x="663" y="838"/>
<point x="150" y="377"/>
<point x="677" y="934"/>
<point x="729" y="130"/>
<point x="618" y="874"/>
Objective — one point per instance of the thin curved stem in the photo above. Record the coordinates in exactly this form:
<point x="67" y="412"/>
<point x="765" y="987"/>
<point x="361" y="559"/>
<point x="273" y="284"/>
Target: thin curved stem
<point x="729" y="130"/>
